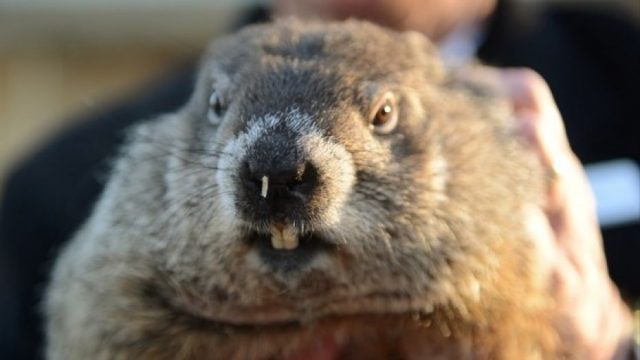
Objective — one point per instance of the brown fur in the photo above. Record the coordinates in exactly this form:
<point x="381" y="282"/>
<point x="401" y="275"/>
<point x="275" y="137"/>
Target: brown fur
<point x="429" y="254"/>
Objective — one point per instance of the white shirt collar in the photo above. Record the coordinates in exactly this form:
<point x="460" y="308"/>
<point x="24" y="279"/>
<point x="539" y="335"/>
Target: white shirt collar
<point x="460" y="46"/>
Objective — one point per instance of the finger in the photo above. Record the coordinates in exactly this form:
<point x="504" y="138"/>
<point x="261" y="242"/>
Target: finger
<point x="571" y="206"/>
<point x="527" y="89"/>
<point x="532" y="100"/>
<point x="540" y="124"/>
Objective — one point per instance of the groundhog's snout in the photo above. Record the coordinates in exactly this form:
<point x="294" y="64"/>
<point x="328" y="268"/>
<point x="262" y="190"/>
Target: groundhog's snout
<point x="278" y="180"/>
<point x="287" y="181"/>
<point x="278" y="188"/>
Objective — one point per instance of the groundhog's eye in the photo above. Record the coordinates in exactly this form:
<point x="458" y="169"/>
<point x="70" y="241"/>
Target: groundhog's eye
<point x="385" y="116"/>
<point x="216" y="108"/>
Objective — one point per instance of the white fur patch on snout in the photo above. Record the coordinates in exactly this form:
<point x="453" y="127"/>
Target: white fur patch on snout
<point x="333" y="161"/>
<point x="337" y="173"/>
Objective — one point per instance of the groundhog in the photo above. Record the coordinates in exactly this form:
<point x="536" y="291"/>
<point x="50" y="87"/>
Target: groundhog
<point x="330" y="191"/>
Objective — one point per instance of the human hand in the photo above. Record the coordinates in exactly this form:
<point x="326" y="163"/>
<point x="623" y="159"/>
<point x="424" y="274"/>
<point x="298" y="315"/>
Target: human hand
<point x="567" y="232"/>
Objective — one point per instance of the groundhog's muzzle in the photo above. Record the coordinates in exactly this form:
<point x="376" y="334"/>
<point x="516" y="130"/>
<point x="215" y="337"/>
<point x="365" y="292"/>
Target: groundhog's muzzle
<point x="278" y="181"/>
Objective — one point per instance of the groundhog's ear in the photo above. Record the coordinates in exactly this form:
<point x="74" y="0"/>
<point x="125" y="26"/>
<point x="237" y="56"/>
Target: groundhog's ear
<point x="424" y="49"/>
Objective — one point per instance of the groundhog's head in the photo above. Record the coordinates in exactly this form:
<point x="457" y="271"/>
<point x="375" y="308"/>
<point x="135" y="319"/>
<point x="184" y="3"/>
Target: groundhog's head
<point x="321" y="172"/>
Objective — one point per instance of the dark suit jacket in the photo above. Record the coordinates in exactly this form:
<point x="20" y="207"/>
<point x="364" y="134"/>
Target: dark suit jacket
<point x="590" y="59"/>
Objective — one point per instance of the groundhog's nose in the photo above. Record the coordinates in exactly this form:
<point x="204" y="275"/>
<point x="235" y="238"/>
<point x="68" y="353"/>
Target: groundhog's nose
<point x="276" y="181"/>
<point x="279" y="188"/>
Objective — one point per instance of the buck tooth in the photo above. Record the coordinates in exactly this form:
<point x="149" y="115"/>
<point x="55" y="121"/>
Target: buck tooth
<point x="290" y="238"/>
<point x="284" y="236"/>
<point x="277" y="240"/>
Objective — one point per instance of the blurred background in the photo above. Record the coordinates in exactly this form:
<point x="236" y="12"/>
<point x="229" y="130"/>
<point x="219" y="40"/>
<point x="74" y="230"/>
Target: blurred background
<point x="62" y="58"/>
<point x="68" y="62"/>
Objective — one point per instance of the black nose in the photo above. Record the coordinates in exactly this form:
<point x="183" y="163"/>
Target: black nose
<point x="279" y="188"/>
<point x="283" y="178"/>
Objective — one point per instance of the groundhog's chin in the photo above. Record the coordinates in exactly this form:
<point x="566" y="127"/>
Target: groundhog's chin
<point x="397" y="336"/>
